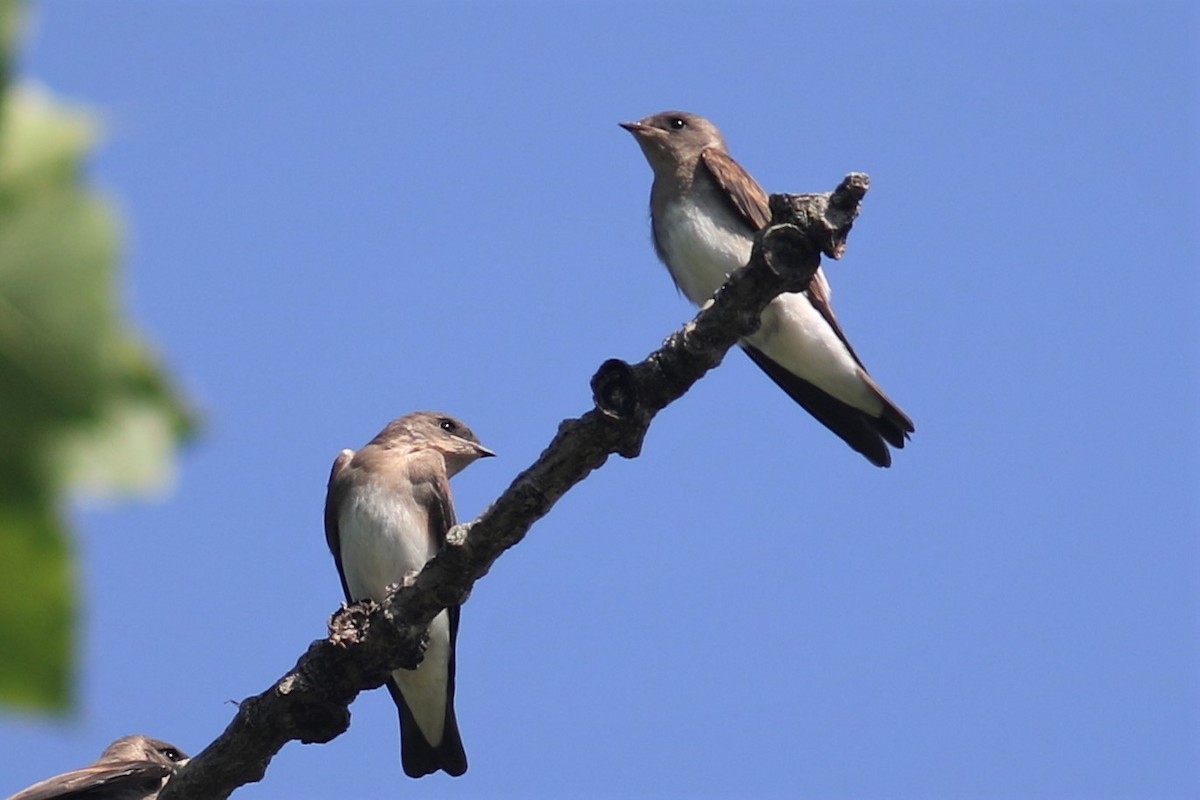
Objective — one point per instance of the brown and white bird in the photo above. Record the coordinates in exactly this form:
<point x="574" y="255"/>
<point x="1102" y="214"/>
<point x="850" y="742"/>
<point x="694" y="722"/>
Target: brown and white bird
<point x="705" y="210"/>
<point x="131" y="768"/>
<point x="387" y="512"/>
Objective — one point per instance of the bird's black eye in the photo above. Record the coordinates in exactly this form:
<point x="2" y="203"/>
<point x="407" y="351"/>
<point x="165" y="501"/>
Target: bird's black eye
<point x="447" y="425"/>
<point x="172" y="754"/>
<point x="677" y="123"/>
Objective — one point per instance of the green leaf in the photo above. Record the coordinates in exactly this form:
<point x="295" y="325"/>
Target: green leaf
<point x="85" y="405"/>
<point x="36" y="609"/>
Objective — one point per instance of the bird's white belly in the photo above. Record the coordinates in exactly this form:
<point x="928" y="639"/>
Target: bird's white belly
<point x="794" y="335"/>
<point x="425" y="688"/>
<point x="381" y="541"/>
<point x="706" y="248"/>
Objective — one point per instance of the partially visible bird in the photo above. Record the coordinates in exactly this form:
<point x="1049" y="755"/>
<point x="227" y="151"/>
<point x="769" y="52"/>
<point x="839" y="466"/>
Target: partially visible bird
<point x="131" y="768"/>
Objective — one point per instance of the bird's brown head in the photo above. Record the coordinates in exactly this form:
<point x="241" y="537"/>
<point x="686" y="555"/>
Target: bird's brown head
<point x="438" y="431"/>
<point x="144" y="748"/>
<point x="671" y="138"/>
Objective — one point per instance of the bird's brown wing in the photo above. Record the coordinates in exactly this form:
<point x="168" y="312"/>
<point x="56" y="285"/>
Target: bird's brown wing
<point x="105" y="779"/>
<point x="745" y="195"/>
<point x="333" y="501"/>
<point x="417" y="755"/>
<point x="434" y="495"/>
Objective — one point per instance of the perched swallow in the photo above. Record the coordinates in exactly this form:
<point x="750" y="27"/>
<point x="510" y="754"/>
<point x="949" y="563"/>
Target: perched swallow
<point x="387" y="512"/>
<point x="704" y="211"/>
<point x="131" y="768"/>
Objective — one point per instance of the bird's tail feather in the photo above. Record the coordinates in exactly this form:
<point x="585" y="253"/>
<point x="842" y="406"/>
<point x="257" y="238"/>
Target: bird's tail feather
<point x="865" y="433"/>
<point x="417" y="755"/>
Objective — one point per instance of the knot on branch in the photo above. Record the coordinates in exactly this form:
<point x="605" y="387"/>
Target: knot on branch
<point x="789" y="254"/>
<point x="457" y="535"/>
<point x="850" y="192"/>
<point x="349" y="624"/>
<point x="614" y="389"/>
<point x="825" y="218"/>
<point x="616" y="394"/>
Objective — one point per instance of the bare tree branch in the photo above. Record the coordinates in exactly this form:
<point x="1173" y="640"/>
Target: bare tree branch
<point x="367" y="641"/>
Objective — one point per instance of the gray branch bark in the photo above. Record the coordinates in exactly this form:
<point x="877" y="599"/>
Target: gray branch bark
<point x="367" y="641"/>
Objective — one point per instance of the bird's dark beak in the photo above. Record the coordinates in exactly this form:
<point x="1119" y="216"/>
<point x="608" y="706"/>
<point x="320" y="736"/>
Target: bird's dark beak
<point x="636" y="128"/>
<point x="484" y="452"/>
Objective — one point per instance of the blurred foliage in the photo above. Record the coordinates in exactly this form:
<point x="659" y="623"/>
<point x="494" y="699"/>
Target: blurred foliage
<point x="84" y="403"/>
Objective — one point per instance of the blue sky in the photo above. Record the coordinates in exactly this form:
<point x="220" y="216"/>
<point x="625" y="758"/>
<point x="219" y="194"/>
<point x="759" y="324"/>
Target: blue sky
<point x="340" y="213"/>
